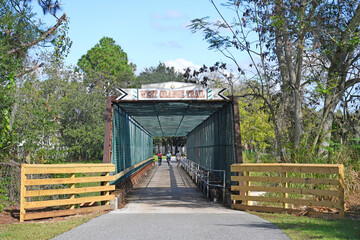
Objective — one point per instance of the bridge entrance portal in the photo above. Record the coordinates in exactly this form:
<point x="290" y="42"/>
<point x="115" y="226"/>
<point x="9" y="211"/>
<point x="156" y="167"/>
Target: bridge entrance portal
<point x="208" y="120"/>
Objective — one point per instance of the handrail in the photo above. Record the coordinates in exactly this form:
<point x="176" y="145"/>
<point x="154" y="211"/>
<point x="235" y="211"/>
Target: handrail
<point x="127" y="170"/>
<point x="201" y="174"/>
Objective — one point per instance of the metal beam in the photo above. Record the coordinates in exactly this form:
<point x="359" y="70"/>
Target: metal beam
<point x="108" y="130"/>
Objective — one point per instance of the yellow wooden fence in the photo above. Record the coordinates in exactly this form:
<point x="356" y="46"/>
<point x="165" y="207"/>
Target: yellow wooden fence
<point x="35" y="183"/>
<point x="295" y="187"/>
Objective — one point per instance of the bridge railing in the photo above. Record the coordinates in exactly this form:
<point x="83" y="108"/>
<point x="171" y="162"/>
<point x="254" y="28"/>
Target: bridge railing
<point x="205" y="178"/>
<point x="314" y="189"/>
<point x="65" y="187"/>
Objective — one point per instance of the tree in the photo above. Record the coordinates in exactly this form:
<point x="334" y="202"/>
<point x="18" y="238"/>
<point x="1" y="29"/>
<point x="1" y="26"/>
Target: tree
<point x="216" y="76"/>
<point x="158" y="74"/>
<point x="256" y="127"/>
<point x="82" y="122"/>
<point x="36" y="124"/>
<point x="20" y="32"/>
<point x="338" y="56"/>
<point x="226" y="36"/>
<point x="57" y="119"/>
<point x="106" y="67"/>
<point x="303" y="38"/>
<point x="6" y="100"/>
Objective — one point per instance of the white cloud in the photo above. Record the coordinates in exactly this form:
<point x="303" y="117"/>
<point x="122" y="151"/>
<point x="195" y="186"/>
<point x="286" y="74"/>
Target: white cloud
<point x="181" y="64"/>
<point x="171" y="14"/>
<point x="170" y="20"/>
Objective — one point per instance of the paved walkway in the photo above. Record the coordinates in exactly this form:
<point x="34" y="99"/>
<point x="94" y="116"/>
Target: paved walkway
<point x="167" y="205"/>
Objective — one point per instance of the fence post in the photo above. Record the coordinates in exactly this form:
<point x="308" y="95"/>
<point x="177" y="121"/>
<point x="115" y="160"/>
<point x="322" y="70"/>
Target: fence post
<point x="285" y="185"/>
<point x="72" y="186"/>
<point x="247" y="184"/>
<point x="341" y="190"/>
<point x="107" y="183"/>
<point x="22" y="193"/>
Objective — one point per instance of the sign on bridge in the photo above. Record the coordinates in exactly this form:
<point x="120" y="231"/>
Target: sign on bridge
<point x="172" y="94"/>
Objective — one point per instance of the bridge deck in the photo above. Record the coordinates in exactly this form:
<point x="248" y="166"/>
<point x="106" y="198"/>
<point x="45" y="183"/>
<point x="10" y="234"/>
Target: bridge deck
<point x="168" y="189"/>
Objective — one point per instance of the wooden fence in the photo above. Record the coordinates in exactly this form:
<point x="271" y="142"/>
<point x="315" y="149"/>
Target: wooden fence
<point x="67" y="187"/>
<point x="310" y="188"/>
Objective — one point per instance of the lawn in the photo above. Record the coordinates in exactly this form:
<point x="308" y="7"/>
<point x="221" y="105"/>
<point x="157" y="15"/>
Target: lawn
<point x="43" y="230"/>
<point x="302" y="227"/>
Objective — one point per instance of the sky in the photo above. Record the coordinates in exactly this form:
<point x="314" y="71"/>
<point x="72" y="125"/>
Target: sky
<point x="148" y="31"/>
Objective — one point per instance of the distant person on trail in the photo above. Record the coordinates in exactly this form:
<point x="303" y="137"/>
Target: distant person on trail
<point x="159" y="158"/>
<point x="178" y="158"/>
<point x="168" y="158"/>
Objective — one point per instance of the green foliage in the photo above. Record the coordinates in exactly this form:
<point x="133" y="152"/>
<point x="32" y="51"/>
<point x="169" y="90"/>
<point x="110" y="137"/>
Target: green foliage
<point x="3" y="196"/>
<point x="333" y="146"/>
<point x="106" y="67"/>
<point x="37" y="122"/>
<point x="256" y="127"/>
<point x="58" y="120"/>
<point x="355" y="143"/>
<point x="20" y="33"/>
<point x="83" y="122"/>
<point x="62" y="43"/>
<point x="15" y="29"/>
<point x="161" y="73"/>
<point x="27" y="125"/>
<point x="6" y="99"/>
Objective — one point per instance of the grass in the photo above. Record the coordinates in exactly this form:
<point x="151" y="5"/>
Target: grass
<point x="42" y="230"/>
<point x="88" y="184"/>
<point x="303" y="228"/>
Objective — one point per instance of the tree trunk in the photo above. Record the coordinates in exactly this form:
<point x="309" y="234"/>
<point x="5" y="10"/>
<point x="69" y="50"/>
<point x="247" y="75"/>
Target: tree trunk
<point x="290" y="72"/>
<point x="298" y="115"/>
<point x="328" y="118"/>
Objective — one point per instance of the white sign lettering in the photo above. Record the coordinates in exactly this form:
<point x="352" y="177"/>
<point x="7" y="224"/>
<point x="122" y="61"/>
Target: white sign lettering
<point x="171" y="94"/>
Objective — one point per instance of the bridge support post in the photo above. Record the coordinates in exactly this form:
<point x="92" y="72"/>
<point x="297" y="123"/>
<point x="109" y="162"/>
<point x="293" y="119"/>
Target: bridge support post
<point x="207" y="184"/>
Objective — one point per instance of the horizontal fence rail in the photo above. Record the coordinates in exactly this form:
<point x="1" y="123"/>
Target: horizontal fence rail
<point x="129" y="169"/>
<point x="272" y="187"/>
<point x="205" y="178"/>
<point x="66" y="187"/>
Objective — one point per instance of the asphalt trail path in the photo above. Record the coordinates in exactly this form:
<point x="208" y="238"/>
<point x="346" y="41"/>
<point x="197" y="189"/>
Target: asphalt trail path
<point x="166" y="204"/>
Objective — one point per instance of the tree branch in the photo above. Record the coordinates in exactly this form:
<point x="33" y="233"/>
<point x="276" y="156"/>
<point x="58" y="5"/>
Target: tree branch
<point x="351" y="82"/>
<point x="29" y="70"/>
<point x="41" y="38"/>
